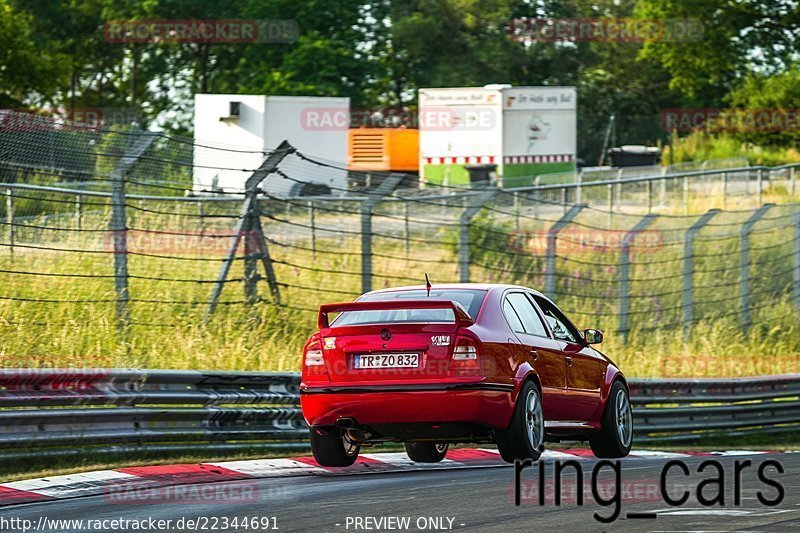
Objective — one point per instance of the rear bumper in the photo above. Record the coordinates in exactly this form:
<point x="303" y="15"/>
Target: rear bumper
<point x="485" y="404"/>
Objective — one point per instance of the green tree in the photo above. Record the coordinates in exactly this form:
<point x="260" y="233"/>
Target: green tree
<point x="738" y="37"/>
<point x="29" y="74"/>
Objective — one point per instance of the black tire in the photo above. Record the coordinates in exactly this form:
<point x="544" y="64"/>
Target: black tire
<point x="331" y="447"/>
<point x="516" y="441"/>
<point x="426" y="452"/>
<point x="615" y="438"/>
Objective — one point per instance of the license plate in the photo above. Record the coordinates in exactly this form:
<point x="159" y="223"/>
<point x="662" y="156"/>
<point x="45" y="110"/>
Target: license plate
<point x="386" y="360"/>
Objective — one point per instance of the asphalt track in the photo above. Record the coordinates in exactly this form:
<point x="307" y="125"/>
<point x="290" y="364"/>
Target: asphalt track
<point x="476" y="499"/>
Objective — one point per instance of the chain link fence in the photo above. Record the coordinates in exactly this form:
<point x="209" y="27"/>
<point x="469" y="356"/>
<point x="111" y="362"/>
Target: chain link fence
<point x="107" y="247"/>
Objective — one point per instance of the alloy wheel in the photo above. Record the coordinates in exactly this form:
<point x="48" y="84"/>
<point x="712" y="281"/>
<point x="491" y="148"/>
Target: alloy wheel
<point x="534" y="420"/>
<point x="624" y="418"/>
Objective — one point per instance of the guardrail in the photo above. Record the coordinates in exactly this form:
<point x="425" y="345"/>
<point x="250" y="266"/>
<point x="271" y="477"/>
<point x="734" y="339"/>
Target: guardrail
<point x="689" y="409"/>
<point x="63" y="412"/>
<point x="589" y="174"/>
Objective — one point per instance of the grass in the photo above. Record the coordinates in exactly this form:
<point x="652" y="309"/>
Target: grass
<point x="168" y="328"/>
<point x="703" y="146"/>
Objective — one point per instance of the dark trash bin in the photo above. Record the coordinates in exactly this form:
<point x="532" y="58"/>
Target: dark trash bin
<point x="634" y="156"/>
<point x="482" y="175"/>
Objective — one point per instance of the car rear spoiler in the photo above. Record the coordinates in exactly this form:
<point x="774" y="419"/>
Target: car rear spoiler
<point x="462" y="317"/>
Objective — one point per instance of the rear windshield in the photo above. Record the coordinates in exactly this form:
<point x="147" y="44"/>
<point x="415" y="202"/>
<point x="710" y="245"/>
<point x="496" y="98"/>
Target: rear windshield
<point x="469" y="299"/>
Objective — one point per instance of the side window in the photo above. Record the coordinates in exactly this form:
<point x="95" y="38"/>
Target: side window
<point x="562" y="330"/>
<point x="511" y="315"/>
<point x="531" y="322"/>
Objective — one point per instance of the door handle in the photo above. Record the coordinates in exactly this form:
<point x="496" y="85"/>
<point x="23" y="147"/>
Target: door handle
<point x="569" y="360"/>
<point x="535" y="354"/>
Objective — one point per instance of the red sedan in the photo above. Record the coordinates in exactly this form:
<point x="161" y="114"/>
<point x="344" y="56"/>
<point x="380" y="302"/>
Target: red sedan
<point x="461" y="363"/>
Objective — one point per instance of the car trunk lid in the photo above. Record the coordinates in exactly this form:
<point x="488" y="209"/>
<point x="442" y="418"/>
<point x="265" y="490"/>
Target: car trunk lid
<point x="386" y="341"/>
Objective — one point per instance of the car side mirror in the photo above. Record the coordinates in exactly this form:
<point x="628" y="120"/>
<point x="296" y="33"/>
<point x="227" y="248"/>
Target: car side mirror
<point x="593" y="336"/>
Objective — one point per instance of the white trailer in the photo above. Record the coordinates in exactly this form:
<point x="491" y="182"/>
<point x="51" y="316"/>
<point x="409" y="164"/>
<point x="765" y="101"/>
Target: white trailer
<point x="525" y="131"/>
<point x="232" y="132"/>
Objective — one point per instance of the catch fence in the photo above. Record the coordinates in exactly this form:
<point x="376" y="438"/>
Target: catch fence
<point x="105" y="249"/>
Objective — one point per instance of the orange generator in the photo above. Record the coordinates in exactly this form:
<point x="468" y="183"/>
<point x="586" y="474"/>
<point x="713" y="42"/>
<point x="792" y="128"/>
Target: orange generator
<point x="383" y="149"/>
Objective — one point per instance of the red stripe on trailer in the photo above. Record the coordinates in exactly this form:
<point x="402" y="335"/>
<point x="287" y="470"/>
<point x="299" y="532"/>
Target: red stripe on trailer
<point x="461" y="160"/>
<point x="547" y="158"/>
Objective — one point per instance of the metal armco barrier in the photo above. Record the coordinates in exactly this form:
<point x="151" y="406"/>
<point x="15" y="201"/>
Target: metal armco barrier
<point x="60" y="412"/>
<point x="688" y="409"/>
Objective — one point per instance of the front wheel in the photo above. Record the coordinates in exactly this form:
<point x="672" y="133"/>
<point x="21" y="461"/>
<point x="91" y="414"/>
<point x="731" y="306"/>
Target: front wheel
<point x="524" y="436"/>
<point x="333" y="447"/>
<point x="615" y="437"/>
<point x="426" y="452"/>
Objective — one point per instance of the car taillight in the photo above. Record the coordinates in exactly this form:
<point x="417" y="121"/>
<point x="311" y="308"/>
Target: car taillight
<point x="314" y="362"/>
<point x="465" y="357"/>
<point x="314" y="358"/>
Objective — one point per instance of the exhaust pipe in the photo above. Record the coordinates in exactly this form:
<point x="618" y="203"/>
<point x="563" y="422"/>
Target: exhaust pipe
<point x="345" y="423"/>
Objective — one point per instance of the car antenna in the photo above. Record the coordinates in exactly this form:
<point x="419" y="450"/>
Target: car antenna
<point x="428" y="284"/>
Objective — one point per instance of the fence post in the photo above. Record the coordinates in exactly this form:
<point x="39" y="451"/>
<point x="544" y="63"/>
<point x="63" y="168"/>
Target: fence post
<point x="469" y="212"/>
<point x="796" y="260"/>
<point x="686" y="194"/>
<point x="663" y="188"/>
<point x="550" y="253"/>
<point x="579" y="188"/>
<point x="793" y="176"/>
<point x="760" y="184"/>
<point x="724" y="189"/>
<point x="201" y="214"/>
<point x="649" y="196"/>
<point x="389" y="183"/>
<point x="79" y="212"/>
<point x="250" y="266"/>
<point x="516" y="211"/>
<point x="610" y="197"/>
<point x="624" y="274"/>
<point x="10" y="220"/>
<point x="407" y="239"/>
<point x="250" y="228"/>
<point x="564" y="199"/>
<point x="119" y="231"/>
<point x="312" y="223"/>
<point x="688" y="268"/>
<point x="744" y="264"/>
<point x="119" y="227"/>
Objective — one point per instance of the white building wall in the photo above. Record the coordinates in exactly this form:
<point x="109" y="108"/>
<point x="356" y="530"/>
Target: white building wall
<point x="214" y="138"/>
<point x="227" y="151"/>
